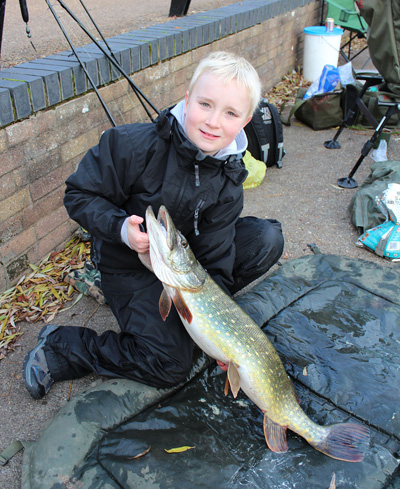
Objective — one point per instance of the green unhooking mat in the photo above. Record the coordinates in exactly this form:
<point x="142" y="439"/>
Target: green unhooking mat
<point x="336" y="325"/>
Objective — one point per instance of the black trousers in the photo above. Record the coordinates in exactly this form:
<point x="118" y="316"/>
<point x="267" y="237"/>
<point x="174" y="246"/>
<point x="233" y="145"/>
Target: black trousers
<point x="147" y="349"/>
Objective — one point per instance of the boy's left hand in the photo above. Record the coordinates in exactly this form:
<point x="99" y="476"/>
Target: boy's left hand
<point x="138" y="240"/>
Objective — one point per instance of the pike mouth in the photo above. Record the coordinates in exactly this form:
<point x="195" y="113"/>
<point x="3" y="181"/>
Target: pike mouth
<point x="171" y="258"/>
<point x="162" y="240"/>
<point x="162" y="221"/>
<point x="160" y="229"/>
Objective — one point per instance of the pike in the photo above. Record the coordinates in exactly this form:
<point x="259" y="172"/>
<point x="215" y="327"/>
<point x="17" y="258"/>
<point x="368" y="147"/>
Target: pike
<point x="227" y="334"/>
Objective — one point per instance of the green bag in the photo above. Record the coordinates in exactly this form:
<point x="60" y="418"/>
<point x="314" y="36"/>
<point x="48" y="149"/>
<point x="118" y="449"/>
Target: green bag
<point x="371" y="99"/>
<point x="319" y="111"/>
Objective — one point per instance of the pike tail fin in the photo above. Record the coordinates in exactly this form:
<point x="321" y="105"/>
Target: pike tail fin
<point x="344" y="441"/>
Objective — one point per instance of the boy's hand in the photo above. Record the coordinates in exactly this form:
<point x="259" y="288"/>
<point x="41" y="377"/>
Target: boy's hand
<point x="138" y="240"/>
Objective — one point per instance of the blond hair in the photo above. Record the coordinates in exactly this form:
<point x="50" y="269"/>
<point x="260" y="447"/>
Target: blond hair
<point x="228" y="67"/>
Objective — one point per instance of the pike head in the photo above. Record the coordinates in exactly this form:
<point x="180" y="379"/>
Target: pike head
<point x="172" y="260"/>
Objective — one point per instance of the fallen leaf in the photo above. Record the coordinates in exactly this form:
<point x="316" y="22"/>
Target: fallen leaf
<point x="139" y="455"/>
<point x="42" y="293"/>
<point x="286" y="90"/>
<point x="179" y="449"/>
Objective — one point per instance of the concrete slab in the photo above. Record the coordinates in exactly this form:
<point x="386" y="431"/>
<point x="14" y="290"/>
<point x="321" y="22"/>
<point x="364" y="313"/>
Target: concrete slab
<point x="6" y="108"/>
<point x="35" y="83"/>
<point x="19" y="93"/>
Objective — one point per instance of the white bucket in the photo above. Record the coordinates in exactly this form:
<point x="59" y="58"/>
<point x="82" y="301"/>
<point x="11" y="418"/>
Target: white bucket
<point x="321" y="47"/>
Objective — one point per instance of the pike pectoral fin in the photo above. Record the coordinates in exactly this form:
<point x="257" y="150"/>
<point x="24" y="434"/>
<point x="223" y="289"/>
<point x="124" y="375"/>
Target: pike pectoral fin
<point x="164" y="304"/>
<point x="226" y="389"/>
<point x="182" y="307"/>
<point x="233" y="378"/>
<point x="145" y="259"/>
<point x="275" y="435"/>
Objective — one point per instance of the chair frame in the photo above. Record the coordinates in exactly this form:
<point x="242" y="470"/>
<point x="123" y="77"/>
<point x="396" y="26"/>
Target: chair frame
<point x="341" y="21"/>
<point x="392" y="108"/>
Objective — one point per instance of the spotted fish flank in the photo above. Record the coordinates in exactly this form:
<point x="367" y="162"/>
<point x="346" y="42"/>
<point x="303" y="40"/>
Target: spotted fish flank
<point x="225" y="332"/>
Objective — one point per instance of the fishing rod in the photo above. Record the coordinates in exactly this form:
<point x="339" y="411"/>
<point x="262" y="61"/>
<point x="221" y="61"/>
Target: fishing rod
<point x="140" y="95"/>
<point x="110" y="117"/>
<point x="98" y="30"/>
<point x="2" y="14"/>
<point x="25" y="17"/>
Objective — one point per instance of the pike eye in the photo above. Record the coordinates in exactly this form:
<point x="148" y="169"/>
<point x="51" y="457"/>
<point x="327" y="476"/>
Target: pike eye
<point x="184" y="243"/>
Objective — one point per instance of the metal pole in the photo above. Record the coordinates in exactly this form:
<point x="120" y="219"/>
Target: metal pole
<point x="349" y="181"/>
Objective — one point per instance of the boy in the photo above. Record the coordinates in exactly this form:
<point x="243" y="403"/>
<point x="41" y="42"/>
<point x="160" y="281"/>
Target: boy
<point x="190" y="160"/>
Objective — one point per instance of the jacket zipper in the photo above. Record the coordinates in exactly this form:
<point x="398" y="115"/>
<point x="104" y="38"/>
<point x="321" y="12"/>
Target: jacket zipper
<point x="197" y="175"/>
<point x="196" y="216"/>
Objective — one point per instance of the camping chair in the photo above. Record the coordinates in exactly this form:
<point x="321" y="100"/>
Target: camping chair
<point x="348" y="18"/>
<point x="384" y="49"/>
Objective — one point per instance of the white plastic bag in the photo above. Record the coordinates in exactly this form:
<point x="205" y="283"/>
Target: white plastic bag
<point x="379" y="154"/>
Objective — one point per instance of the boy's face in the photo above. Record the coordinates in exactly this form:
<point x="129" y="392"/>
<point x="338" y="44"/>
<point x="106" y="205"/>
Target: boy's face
<point x="215" y="113"/>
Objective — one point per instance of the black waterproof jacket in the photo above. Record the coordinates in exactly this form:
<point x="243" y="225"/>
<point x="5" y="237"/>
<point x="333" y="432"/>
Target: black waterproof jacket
<point x="137" y="165"/>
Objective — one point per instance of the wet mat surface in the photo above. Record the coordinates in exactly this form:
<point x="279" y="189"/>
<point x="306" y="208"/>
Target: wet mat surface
<point x="334" y="322"/>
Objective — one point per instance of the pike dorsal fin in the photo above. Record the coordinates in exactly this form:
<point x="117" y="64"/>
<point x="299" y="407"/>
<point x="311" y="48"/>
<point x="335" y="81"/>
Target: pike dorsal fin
<point x="275" y="435"/>
<point x="164" y="305"/>
<point x="234" y="378"/>
<point x="182" y="307"/>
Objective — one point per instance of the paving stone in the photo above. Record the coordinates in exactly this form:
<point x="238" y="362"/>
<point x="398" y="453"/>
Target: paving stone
<point x="201" y="31"/>
<point x="172" y="36"/>
<point x="103" y="65"/>
<point x="47" y="77"/>
<point x="184" y="29"/>
<point x="122" y="53"/>
<point x="35" y="83"/>
<point x="51" y="79"/>
<point x="165" y="40"/>
<point x="6" y="109"/>
<point x="20" y="96"/>
<point x="79" y="77"/>
<point x="90" y="63"/>
<point x="222" y="25"/>
<point x="134" y="48"/>
<point x="143" y="49"/>
<point x="150" y="44"/>
<point x="64" y="73"/>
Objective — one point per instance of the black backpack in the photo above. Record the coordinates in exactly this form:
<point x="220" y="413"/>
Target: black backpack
<point x="265" y="135"/>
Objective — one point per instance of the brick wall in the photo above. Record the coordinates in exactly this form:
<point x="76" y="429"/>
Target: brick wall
<point x="38" y="153"/>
